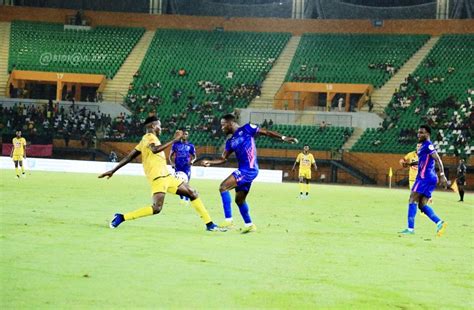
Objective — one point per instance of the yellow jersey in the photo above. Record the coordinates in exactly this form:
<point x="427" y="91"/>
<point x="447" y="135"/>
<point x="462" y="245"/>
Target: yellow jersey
<point x="19" y="146"/>
<point x="305" y="161"/>
<point x="154" y="165"/>
<point x="411" y="158"/>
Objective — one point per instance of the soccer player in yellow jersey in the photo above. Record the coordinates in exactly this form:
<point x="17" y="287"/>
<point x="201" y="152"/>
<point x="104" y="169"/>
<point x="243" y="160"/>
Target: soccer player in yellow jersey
<point x="411" y="160"/>
<point x="306" y="161"/>
<point x="18" y="153"/>
<point x="160" y="179"/>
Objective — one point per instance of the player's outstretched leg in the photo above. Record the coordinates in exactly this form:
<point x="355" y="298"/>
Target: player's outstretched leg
<point x="158" y="199"/>
<point x="440" y="224"/>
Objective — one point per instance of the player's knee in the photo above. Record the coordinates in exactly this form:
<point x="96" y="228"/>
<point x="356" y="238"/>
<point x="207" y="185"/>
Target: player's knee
<point x="193" y="194"/>
<point x="239" y="201"/>
<point x="222" y="188"/>
<point x="157" y="208"/>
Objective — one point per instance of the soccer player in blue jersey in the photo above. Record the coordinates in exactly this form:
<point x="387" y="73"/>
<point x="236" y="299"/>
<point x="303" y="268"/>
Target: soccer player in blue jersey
<point x="241" y="143"/>
<point x="425" y="183"/>
<point x="184" y="155"/>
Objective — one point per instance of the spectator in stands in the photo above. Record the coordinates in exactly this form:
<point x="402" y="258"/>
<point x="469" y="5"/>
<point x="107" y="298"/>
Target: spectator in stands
<point x="340" y="104"/>
<point x="182" y="72"/>
<point x="113" y="157"/>
<point x="322" y="126"/>
<point x="370" y="104"/>
<point x="430" y="63"/>
<point x="264" y="124"/>
<point x="270" y="123"/>
<point x="78" y="18"/>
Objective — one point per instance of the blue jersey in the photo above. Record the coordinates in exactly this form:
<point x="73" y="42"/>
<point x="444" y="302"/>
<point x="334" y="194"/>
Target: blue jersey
<point x="183" y="152"/>
<point x="426" y="163"/>
<point x="242" y="143"/>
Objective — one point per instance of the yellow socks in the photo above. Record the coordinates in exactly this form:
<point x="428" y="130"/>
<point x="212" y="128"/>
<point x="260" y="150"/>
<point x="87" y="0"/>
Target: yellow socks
<point x="147" y="211"/>
<point x="301" y="187"/>
<point x="142" y="212"/>
<point x="17" y="172"/>
<point x="22" y="169"/>
<point x="201" y="210"/>
<point x="307" y="187"/>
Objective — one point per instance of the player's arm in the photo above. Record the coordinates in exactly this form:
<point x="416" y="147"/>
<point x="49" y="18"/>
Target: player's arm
<point x="193" y="158"/>
<point x="131" y="156"/>
<point x="220" y="161"/>
<point x="158" y="148"/>
<point x="276" y="135"/>
<point x="24" y="149"/>
<point x="315" y="166"/>
<point x="439" y="163"/>
<point x="171" y="159"/>
<point x="294" y="165"/>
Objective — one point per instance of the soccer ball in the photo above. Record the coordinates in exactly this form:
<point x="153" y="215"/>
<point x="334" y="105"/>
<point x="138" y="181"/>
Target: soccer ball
<point x="182" y="176"/>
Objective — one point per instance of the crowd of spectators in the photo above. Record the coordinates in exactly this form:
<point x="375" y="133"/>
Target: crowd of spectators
<point x="452" y="119"/>
<point x="387" y="67"/>
<point x="70" y="122"/>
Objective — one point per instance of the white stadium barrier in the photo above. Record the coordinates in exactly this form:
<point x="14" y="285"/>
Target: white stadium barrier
<point x="98" y="167"/>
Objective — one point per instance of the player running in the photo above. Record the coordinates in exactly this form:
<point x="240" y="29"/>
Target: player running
<point x="18" y="153"/>
<point x="242" y="143"/>
<point x="305" y="160"/>
<point x="182" y="156"/>
<point x="161" y="181"/>
<point x="425" y="183"/>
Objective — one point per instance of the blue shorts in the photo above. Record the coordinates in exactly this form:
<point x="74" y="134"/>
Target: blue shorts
<point x="186" y="170"/>
<point x="424" y="187"/>
<point x="244" y="179"/>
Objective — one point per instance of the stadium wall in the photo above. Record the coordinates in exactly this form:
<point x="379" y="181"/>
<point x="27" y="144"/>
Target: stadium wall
<point x="380" y="162"/>
<point x="97" y="167"/>
<point x="296" y="27"/>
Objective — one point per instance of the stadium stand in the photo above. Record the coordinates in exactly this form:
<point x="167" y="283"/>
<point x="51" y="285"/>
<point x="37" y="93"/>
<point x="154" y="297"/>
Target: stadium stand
<point x="192" y="77"/>
<point x="318" y="138"/>
<point x="352" y="58"/>
<point x="439" y="93"/>
<point x="42" y="46"/>
<point x="74" y="122"/>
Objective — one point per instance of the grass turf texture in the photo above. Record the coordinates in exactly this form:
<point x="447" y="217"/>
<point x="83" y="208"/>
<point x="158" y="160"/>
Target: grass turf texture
<point x="338" y="249"/>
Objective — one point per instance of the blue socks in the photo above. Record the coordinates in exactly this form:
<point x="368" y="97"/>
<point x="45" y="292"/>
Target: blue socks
<point x="430" y="213"/>
<point x="411" y="215"/>
<point x="226" y="204"/>
<point x="244" y="211"/>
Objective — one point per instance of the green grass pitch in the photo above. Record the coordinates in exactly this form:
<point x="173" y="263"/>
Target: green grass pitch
<point x="339" y="249"/>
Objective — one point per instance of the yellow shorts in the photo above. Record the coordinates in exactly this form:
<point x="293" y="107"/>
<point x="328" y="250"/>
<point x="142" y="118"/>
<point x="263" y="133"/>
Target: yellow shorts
<point x="168" y="184"/>
<point x="17" y="157"/>
<point x="411" y="184"/>
<point x="306" y="174"/>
